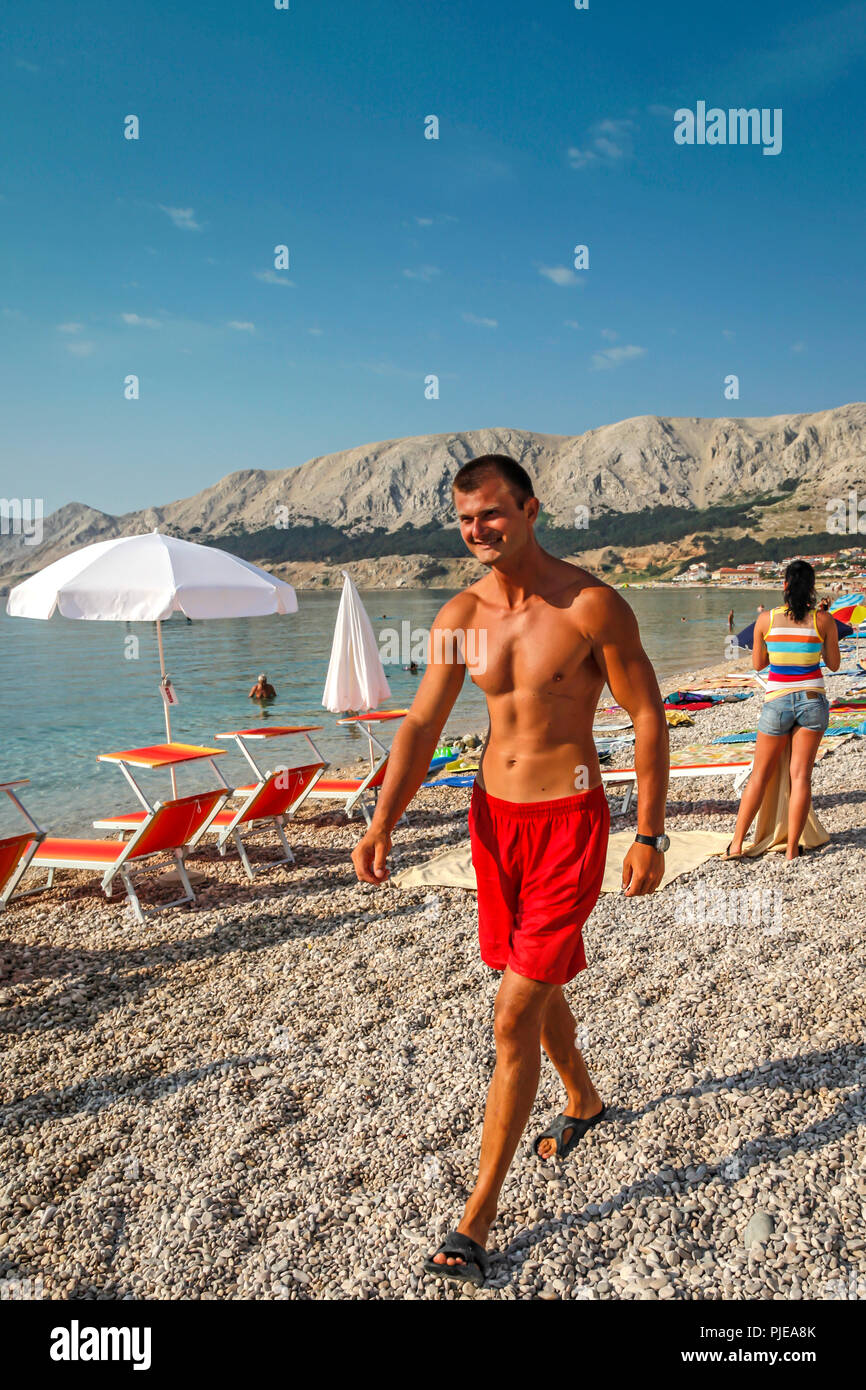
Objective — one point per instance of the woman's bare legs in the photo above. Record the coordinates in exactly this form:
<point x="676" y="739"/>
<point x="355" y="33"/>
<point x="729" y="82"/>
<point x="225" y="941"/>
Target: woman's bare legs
<point x="768" y="750"/>
<point x="804" y="750"/>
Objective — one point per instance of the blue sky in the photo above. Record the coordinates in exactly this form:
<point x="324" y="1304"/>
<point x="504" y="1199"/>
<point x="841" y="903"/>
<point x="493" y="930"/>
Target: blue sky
<point x="410" y="256"/>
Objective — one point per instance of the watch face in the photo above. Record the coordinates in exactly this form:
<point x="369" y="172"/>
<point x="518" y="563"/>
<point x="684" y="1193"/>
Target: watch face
<point x="663" y="843"/>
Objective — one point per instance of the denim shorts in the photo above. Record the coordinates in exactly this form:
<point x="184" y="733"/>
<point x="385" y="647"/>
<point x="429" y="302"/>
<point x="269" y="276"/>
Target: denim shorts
<point x="804" y="709"/>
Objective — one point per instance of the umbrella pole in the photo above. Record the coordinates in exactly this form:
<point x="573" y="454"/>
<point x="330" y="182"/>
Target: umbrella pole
<point x="165" y="704"/>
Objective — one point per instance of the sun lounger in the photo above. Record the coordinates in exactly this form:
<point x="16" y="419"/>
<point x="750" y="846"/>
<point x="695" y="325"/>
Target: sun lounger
<point x="695" y="760"/>
<point x="273" y="799"/>
<point x="705" y="760"/>
<point x="164" y="830"/>
<point x="351" y="791"/>
<point x="16" y="851"/>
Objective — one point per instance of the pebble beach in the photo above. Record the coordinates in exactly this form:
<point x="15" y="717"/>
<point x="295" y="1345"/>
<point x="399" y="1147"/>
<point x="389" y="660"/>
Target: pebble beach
<point x="279" y="1094"/>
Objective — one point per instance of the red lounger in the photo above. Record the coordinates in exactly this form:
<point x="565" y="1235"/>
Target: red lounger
<point x="276" y="798"/>
<point x="351" y="790"/>
<point x="167" y="829"/>
<point x="16" y="854"/>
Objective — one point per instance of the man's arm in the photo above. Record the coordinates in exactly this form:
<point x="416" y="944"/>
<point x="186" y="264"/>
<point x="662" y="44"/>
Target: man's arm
<point x="414" y="744"/>
<point x="617" y="649"/>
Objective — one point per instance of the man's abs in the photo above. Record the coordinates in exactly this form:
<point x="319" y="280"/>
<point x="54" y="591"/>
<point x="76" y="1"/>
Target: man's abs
<point x="538" y="751"/>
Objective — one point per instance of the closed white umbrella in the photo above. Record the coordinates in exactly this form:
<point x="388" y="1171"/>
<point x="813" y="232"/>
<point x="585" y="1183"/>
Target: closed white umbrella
<point x="147" y="578"/>
<point x="356" y="677"/>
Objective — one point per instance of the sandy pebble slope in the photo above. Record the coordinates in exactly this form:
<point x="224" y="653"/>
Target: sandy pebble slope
<point x="279" y="1095"/>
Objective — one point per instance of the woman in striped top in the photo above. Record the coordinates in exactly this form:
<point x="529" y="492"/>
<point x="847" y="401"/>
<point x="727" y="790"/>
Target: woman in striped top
<point x="792" y="640"/>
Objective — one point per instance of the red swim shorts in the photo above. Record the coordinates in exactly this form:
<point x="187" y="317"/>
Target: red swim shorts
<point x="539" y="866"/>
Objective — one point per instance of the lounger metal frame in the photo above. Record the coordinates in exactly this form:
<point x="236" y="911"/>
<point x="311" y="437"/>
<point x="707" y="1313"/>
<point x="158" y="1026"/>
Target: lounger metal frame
<point x="627" y="775"/>
<point x="354" y="798"/>
<point x="120" y="867"/>
<point x="248" y="796"/>
<point x="36" y="839"/>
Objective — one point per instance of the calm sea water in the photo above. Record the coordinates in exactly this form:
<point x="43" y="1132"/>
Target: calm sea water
<point x="67" y="692"/>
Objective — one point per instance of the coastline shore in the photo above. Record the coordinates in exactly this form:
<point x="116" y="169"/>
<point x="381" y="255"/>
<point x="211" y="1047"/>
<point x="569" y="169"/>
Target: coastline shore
<point x="280" y="1093"/>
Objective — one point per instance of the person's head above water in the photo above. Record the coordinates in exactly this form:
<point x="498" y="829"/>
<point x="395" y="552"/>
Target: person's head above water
<point x="496" y="507"/>
<point x="261" y="678"/>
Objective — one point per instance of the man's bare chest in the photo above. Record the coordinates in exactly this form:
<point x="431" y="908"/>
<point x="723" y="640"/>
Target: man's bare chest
<point x="534" y="652"/>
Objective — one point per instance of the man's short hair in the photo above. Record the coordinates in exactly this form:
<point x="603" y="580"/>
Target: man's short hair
<point x="477" y="471"/>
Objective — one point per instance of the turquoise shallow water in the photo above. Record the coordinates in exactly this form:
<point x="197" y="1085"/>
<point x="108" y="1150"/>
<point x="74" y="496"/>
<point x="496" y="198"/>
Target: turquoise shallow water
<point x="67" y="691"/>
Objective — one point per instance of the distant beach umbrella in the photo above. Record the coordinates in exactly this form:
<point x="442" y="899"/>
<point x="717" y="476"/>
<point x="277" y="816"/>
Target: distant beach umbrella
<point x="356" y="677"/>
<point x="147" y="578"/>
<point x="850" y="609"/>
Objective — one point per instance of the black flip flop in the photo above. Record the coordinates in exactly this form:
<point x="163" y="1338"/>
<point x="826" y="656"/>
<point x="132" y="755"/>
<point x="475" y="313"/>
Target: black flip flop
<point x="727" y="854"/>
<point x="560" y="1125"/>
<point x="477" y="1260"/>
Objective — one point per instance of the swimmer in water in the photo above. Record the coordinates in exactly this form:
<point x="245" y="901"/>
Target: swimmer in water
<point x="262" y="690"/>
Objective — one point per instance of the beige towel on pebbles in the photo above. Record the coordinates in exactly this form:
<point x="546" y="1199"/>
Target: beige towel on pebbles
<point x="771" y="825"/>
<point x="453" y="869"/>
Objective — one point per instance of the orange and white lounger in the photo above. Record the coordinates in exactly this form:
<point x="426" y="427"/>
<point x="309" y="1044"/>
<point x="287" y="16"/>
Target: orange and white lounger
<point x="275" y="799"/>
<point x="274" y="796"/>
<point x="16" y="851"/>
<point x="737" y="768"/>
<point x="164" y="830"/>
<point x="352" y="790"/>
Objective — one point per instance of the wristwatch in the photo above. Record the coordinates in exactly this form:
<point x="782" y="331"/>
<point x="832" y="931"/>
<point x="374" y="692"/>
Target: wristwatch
<point x="660" y="842"/>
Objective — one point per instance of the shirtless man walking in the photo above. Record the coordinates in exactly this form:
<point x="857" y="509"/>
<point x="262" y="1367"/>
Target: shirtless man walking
<point x="540" y="637"/>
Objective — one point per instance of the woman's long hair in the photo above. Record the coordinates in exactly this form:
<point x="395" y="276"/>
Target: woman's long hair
<point x="799" y="589"/>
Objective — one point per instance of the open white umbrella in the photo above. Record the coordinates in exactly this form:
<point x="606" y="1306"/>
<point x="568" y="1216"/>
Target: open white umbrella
<point x="356" y="677"/>
<point x="147" y="578"/>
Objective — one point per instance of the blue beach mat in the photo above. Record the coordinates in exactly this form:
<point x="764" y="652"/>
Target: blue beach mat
<point x="455" y="781"/>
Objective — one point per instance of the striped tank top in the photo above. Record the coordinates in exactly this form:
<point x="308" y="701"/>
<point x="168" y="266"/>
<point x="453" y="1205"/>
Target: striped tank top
<point x="795" y="656"/>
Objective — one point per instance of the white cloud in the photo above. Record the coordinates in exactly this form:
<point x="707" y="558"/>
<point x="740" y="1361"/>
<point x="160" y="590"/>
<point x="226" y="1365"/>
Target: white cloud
<point x="316" y="332"/>
<point x="184" y="218"/>
<point x="615" y="356"/>
<point x="482" y="323"/>
<point x="13" y="314"/>
<point x="609" y="334"/>
<point x="28" y="67"/>
<point x="241" y="327"/>
<point x="424" y="221"/>
<point x="136" y="321"/>
<point x="424" y="272"/>
<point x="807" y="56"/>
<point x="69" y="327"/>
<point x="559" y="274"/>
<point x="81" y="349"/>
<point x="608" y="142"/>
<point x="798" y="347"/>
<point x="272" y="277"/>
<point x="571" y="323"/>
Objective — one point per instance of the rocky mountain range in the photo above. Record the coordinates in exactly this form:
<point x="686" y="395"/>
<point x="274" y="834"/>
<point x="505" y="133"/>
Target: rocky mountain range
<point x="645" y="462"/>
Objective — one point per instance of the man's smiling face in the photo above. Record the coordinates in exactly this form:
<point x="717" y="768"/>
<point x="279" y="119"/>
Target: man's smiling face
<point x="493" y="523"/>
